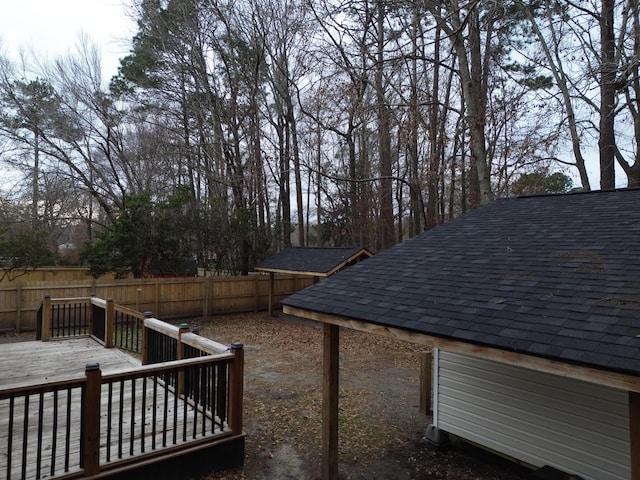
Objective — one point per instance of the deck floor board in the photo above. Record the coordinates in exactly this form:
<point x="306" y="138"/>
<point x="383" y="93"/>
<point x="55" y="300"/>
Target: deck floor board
<point x="28" y="363"/>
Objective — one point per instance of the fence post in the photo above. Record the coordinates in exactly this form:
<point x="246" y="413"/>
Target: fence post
<point x="206" y="293"/>
<point x="46" y="318"/>
<point x="145" y="339"/>
<point x="236" y="388"/>
<point x="109" y="323"/>
<point x="157" y="298"/>
<point x="256" y="293"/>
<point x="184" y="328"/>
<point x="19" y="308"/>
<point x="91" y="420"/>
<point x="271" y="292"/>
<point x="138" y="293"/>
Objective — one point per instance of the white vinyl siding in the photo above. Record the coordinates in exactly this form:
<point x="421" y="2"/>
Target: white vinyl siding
<point x="534" y="417"/>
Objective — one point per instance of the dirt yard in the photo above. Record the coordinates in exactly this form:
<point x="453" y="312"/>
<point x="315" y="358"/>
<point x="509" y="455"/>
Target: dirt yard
<point x="380" y="427"/>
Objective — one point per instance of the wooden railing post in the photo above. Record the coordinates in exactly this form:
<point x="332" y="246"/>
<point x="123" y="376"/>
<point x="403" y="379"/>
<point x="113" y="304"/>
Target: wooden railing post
<point x="91" y="420"/>
<point x="236" y="388"/>
<point x="90" y="324"/>
<point x="184" y="328"/>
<point x="145" y="339"/>
<point x="109" y="323"/>
<point x="46" y="318"/>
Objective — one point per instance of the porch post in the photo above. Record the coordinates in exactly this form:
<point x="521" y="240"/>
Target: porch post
<point x="426" y="382"/>
<point x="330" y="381"/>
<point x="634" y="434"/>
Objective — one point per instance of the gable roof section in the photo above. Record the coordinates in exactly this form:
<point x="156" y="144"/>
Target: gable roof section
<point x="320" y="262"/>
<point x="552" y="276"/>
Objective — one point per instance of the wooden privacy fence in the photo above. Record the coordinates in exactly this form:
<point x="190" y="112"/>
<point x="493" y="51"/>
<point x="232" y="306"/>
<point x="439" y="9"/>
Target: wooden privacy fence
<point x="167" y="297"/>
<point x="187" y="394"/>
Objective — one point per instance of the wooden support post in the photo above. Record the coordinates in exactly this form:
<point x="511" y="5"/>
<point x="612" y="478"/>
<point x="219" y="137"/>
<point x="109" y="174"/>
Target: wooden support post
<point x="330" y="387"/>
<point x="634" y="434"/>
<point x="109" y="323"/>
<point x="46" y="319"/>
<point x="91" y="438"/>
<point x="271" y="293"/>
<point x="145" y="339"/>
<point x="426" y="382"/>
<point x="236" y="388"/>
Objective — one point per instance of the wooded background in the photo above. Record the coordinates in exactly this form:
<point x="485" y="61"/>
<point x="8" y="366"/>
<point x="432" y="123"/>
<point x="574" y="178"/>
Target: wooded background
<point x="257" y="124"/>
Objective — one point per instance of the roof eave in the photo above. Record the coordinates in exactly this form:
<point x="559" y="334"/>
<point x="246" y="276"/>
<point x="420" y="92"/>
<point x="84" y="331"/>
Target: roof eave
<point x="614" y="379"/>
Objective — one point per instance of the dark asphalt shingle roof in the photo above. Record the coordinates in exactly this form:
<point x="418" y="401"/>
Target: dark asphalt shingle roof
<point x="554" y="276"/>
<point x="321" y="261"/>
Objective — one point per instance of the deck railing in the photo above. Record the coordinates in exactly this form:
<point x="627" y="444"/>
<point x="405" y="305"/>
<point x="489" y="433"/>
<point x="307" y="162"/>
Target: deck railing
<point x="187" y="392"/>
<point x="42" y="437"/>
<point x="111" y="324"/>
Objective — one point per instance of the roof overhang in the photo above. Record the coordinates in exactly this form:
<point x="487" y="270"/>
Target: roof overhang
<point x="608" y="378"/>
<point x="363" y="252"/>
<point x="292" y="272"/>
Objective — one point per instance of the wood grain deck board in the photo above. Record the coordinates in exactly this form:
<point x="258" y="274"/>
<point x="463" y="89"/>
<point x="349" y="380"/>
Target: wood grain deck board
<point x="24" y="363"/>
<point x="61" y="357"/>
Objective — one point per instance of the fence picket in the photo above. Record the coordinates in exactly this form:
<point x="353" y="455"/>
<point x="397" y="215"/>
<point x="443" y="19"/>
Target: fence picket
<point x="168" y="298"/>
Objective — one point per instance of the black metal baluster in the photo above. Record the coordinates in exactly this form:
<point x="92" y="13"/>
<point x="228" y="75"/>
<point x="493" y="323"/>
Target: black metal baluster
<point x="144" y="406"/>
<point x="166" y="411"/>
<point x="39" y="447"/>
<point x="120" y="414"/>
<point x="154" y="414"/>
<point x="10" y="437"/>
<point x="175" y="407"/>
<point x="54" y="436"/>
<point x="25" y="436"/>
<point x="109" y="419"/>
<point x="67" y="437"/>
<point x="132" y="430"/>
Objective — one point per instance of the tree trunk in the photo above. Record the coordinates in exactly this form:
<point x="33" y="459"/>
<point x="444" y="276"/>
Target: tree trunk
<point x="607" y="141"/>
<point x="469" y="58"/>
<point x="434" y="110"/>
<point x="384" y="136"/>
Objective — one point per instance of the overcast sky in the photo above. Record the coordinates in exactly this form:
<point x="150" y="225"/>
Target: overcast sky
<point x="52" y="27"/>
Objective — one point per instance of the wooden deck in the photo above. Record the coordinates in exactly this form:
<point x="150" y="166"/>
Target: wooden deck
<point x="26" y="363"/>
<point x="136" y="416"/>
